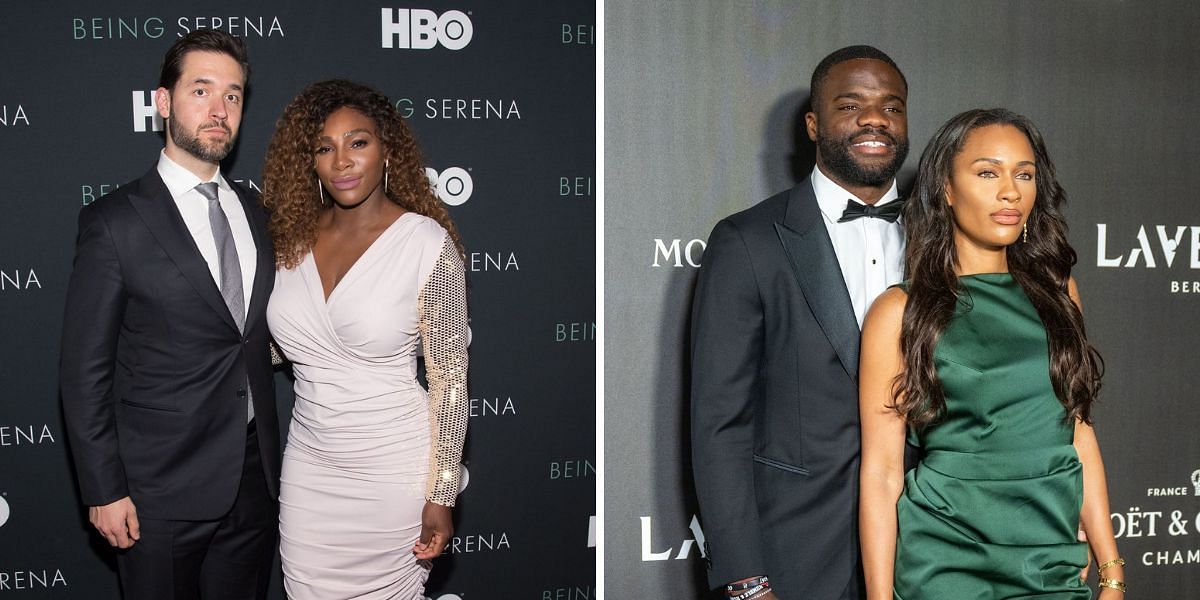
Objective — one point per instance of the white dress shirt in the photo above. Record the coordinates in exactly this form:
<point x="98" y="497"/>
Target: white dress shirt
<point x="870" y="251"/>
<point x="193" y="206"/>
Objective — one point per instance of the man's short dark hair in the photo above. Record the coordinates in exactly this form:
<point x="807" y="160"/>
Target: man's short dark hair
<point x="202" y="40"/>
<point x="843" y="55"/>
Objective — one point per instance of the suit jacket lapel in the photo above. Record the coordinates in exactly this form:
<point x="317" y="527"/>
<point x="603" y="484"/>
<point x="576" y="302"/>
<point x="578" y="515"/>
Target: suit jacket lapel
<point x="265" y="261"/>
<point x="154" y="204"/>
<point x="815" y="265"/>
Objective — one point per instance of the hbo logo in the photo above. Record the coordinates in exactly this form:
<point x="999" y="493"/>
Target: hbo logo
<point x="421" y="29"/>
<point x="453" y="186"/>
<point x="445" y="597"/>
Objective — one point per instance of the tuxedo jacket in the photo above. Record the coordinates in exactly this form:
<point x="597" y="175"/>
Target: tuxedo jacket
<point x="153" y="370"/>
<point x="775" y="428"/>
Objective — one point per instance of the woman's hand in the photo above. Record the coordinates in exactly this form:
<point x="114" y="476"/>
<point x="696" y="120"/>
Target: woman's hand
<point x="1110" y="594"/>
<point x="436" y="531"/>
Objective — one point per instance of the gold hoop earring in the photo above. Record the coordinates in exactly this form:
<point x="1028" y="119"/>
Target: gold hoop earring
<point x="385" y="170"/>
<point x="320" y="191"/>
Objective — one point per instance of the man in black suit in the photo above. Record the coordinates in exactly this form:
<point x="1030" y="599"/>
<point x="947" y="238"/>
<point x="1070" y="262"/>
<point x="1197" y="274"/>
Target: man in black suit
<point x="775" y="331"/>
<point x="166" y="376"/>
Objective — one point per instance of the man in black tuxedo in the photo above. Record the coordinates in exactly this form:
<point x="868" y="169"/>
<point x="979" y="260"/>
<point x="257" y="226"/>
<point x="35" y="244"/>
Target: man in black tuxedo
<point x="775" y="330"/>
<point x="166" y="375"/>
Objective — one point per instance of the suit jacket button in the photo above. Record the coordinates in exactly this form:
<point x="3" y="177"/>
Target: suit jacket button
<point x="241" y="393"/>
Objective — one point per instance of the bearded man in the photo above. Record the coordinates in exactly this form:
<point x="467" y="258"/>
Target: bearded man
<point x="166" y="373"/>
<point x="776" y="318"/>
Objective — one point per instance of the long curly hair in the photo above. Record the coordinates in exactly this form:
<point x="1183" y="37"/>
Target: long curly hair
<point x="1042" y="267"/>
<point x="289" y="179"/>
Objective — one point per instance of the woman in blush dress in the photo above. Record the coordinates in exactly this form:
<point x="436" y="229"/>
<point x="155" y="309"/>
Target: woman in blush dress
<point x="980" y="356"/>
<point x="370" y="272"/>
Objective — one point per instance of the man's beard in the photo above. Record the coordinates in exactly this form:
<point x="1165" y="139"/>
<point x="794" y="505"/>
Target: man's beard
<point x="192" y="145"/>
<point x="837" y="158"/>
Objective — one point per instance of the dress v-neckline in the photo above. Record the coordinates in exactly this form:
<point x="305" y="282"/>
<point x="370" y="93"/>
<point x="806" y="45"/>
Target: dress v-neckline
<point x="312" y="255"/>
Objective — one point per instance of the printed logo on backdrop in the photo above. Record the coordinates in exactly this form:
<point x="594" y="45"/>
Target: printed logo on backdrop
<point x="89" y="193"/>
<point x="493" y="407"/>
<point x="25" y="435"/>
<point x="580" y="468"/>
<point x="678" y="253"/>
<point x="460" y="109"/>
<point x="423" y="29"/>
<point x="480" y="542"/>
<point x="43" y="579"/>
<point x="13" y="115"/>
<point x="575" y="187"/>
<point x="145" y="114"/>
<point x="575" y="592"/>
<point x="32" y="579"/>
<point x="651" y="548"/>
<point x="500" y="260"/>
<point x="154" y="27"/>
<point x="18" y="279"/>
<point x="575" y="332"/>
<point x="1173" y="248"/>
<point x="581" y="34"/>
<point x="1169" y="518"/>
<point x="445" y="597"/>
<point x="453" y="185"/>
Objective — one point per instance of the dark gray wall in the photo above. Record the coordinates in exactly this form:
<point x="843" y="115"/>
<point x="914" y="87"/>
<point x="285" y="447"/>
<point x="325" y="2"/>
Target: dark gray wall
<point x="701" y="106"/>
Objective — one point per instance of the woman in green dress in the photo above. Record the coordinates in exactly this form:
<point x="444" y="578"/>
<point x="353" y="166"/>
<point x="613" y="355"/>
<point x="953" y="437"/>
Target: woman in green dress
<point x="981" y="359"/>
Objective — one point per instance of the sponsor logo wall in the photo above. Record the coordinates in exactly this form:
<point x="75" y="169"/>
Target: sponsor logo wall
<point x="501" y="96"/>
<point x="704" y="118"/>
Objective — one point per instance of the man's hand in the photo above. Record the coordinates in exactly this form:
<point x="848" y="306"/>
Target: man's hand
<point x="117" y="522"/>
<point x="436" y="530"/>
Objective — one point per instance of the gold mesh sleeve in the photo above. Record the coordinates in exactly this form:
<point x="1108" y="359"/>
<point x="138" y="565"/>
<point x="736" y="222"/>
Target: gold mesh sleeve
<point x="442" y="311"/>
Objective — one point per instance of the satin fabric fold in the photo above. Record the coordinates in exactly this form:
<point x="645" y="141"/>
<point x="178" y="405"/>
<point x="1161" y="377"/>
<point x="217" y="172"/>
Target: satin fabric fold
<point x="992" y="510"/>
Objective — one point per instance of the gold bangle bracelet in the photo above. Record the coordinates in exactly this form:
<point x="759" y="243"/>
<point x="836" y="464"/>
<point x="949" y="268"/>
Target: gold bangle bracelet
<point x="1113" y="583"/>
<point x="1114" y="562"/>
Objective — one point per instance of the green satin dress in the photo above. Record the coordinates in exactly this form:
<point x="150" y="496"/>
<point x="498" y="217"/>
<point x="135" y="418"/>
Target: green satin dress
<point x="991" y="512"/>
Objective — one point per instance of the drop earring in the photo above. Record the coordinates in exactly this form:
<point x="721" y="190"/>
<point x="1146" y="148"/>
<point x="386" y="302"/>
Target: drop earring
<point x="1025" y="232"/>
<point x="320" y="191"/>
<point x="385" y="170"/>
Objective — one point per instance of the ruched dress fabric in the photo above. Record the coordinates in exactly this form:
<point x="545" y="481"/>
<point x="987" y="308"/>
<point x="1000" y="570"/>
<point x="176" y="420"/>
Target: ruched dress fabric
<point x="367" y="444"/>
<point x="992" y="510"/>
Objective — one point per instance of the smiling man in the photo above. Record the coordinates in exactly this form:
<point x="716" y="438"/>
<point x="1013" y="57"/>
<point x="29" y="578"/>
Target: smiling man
<point x="165" y="374"/>
<point x="776" y="318"/>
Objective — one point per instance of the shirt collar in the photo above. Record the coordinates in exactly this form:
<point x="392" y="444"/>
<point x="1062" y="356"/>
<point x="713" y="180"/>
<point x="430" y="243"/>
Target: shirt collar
<point x="832" y="198"/>
<point x="180" y="181"/>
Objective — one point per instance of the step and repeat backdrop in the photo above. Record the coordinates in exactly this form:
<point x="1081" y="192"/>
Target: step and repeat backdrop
<point x="704" y="117"/>
<point x="501" y="96"/>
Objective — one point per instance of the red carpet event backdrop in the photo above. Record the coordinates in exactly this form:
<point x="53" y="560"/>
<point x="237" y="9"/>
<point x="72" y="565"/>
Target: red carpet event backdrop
<point x="501" y="96"/>
<point x="704" y="118"/>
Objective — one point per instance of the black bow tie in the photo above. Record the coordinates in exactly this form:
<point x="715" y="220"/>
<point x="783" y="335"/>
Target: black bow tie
<point x="888" y="212"/>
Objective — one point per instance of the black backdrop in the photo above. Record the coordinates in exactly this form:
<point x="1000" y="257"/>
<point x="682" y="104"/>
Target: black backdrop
<point x="503" y="105"/>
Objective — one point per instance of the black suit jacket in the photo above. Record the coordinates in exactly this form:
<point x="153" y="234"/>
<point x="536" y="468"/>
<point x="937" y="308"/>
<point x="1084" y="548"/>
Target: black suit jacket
<point x="775" y="429"/>
<point x="154" y="370"/>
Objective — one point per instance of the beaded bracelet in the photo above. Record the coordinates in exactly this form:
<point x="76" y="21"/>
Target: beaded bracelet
<point x="1113" y="583"/>
<point x="760" y="594"/>
<point x="1118" y="562"/>
<point x="745" y="585"/>
<point x="751" y="592"/>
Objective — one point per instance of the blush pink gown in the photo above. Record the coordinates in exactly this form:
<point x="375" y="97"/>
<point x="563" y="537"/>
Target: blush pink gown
<point x="368" y="446"/>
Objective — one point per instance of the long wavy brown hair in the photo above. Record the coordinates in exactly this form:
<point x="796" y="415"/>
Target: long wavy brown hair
<point x="1041" y="265"/>
<point x="290" y="191"/>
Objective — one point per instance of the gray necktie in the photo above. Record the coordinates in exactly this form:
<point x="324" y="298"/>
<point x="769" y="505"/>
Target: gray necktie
<point x="230" y="269"/>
